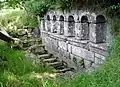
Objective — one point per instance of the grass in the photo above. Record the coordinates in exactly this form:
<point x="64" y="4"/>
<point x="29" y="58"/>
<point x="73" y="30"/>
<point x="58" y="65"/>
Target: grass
<point x="18" y="72"/>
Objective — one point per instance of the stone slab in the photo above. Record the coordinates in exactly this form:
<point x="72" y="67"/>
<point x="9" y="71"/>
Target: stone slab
<point x="63" y="45"/>
<point x="88" y="55"/>
<point x="99" y="51"/>
<point x="100" y="56"/>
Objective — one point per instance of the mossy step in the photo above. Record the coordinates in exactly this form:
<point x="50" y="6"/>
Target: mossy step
<point x="31" y="40"/>
<point x="50" y="60"/>
<point x="60" y="67"/>
<point x="44" y="56"/>
<point x="55" y="64"/>
<point x="34" y="46"/>
<point x="62" y="70"/>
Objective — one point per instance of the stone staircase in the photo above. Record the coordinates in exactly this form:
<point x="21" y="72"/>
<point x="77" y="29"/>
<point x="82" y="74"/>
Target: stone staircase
<point x="58" y="66"/>
<point x="35" y="51"/>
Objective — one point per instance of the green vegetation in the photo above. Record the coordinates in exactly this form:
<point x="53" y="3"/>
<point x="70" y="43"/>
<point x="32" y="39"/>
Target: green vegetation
<point x="17" y="71"/>
<point x="115" y="27"/>
<point x="14" y="19"/>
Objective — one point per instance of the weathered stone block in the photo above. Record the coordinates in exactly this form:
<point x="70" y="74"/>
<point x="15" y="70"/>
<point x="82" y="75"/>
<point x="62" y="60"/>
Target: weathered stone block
<point x="63" y="45"/>
<point x="87" y="64"/>
<point x="102" y="46"/>
<point x="54" y="45"/>
<point x="98" y="61"/>
<point x="88" y="55"/>
<point x="100" y="56"/>
<point x="99" y="51"/>
<point x="69" y="48"/>
<point x="93" y="32"/>
<point x="76" y="62"/>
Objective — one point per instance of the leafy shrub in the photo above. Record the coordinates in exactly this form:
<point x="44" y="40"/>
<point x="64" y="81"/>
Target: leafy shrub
<point x="114" y="11"/>
<point x="10" y="18"/>
<point x="37" y="7"/>
<point x="115" y="26"/>
<point x="13" y="19"/>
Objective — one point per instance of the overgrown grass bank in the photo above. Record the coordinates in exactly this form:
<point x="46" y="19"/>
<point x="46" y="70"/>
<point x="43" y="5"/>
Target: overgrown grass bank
<point x="17" y="71"/>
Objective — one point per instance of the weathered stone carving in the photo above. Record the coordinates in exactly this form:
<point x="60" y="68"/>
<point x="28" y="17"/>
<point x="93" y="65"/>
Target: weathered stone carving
<point x="84" y="28"/>
<point x="71" y="26"/>
<point x="48" y="23"/>
<point x="54" y="25"/>
<point x="61" y="29"/>
<point x="99" y="30"/>
<point x="77" y="35"/>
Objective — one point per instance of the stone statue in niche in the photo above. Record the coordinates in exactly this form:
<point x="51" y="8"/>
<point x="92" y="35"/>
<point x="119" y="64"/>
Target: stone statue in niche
<point x="71" y="26"/>
<point x="100" y="29"/>
<point x="61" y="25"/>
<point x="84" y="28"/>
<point x="100" y="32"/>
<point x="43" y="24"/>
<point x="55" y="24"/>
<point x="48" y="24"/>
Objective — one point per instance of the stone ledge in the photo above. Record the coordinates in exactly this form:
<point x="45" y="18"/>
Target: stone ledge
<point x="102" y="46"/>
<point x="100" y="56"/>
<point x="99" y="51"/>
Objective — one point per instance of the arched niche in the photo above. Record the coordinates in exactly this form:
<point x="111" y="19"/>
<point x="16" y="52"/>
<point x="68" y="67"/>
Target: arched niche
<point x="44" y="24"/>
<point x="54" y="24"/>
<point x="71" y="26"/>
<point x="48" y="23"/>
<point x="84" y="28"/>
<point x="61" y="25"/>
<point x="101" y="29"/>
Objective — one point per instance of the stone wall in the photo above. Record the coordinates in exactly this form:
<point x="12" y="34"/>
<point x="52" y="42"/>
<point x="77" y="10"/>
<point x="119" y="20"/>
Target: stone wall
<point x="78" y="38"/>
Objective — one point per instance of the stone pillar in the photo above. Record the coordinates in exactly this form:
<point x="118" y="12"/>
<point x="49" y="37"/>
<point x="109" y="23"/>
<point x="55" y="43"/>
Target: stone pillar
<point x="66" y="28"/>
<point x="58" y="30"/>
<point x="77" y="29"/>
<point x="46" y="25"/>
<point x="42" y="25"/>
<point x="93" y="33"/>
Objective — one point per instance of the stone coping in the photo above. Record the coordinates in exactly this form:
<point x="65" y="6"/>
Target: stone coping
<point x="103" y="46"/>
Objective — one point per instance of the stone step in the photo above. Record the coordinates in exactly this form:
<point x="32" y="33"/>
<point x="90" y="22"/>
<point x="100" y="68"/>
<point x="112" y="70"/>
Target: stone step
<point x="44" y="56"/>
<point x="38" y="49"/>
<point x="49" y="60"/>
<point x="62" y="70"/>
<point x="35" y="46"/>
<point x="31" y="40"/>
<point x="55" y="64"/>
<point x="60" y="67"/>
